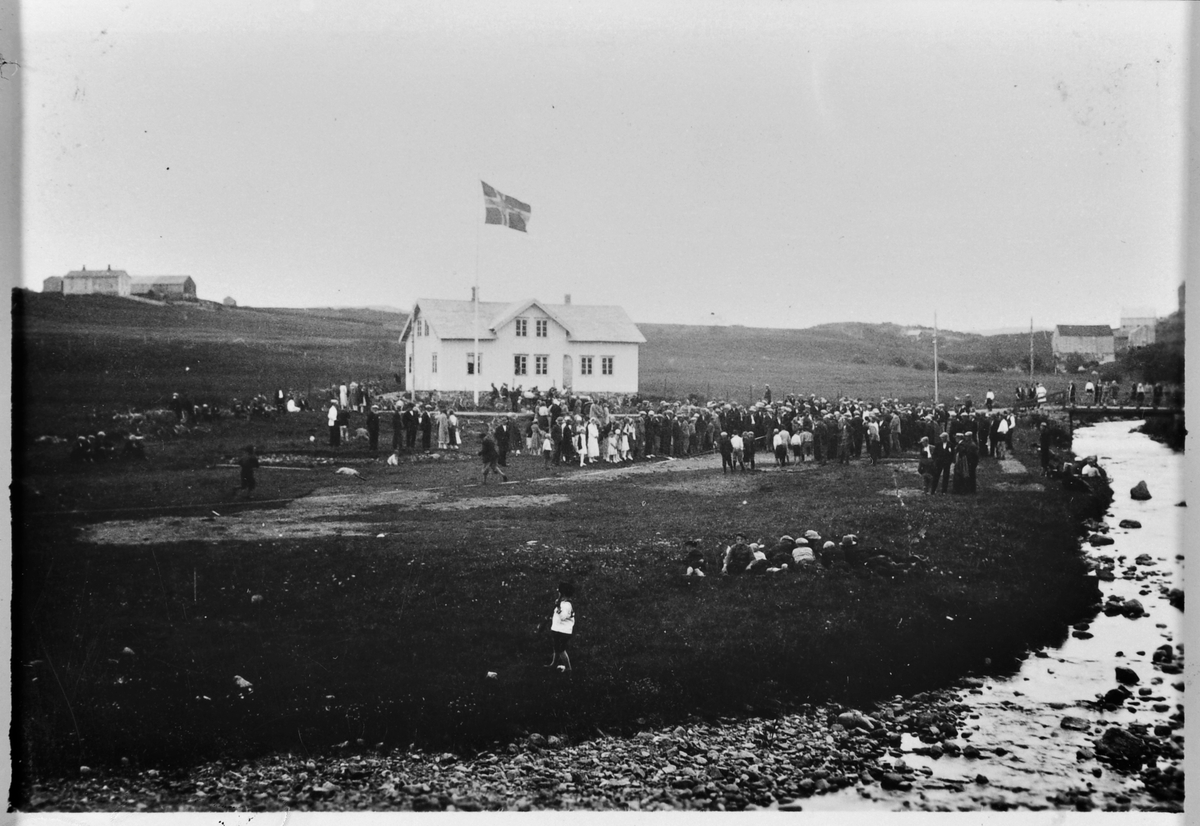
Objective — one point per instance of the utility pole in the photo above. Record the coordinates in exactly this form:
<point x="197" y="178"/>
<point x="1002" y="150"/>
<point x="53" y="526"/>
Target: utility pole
<point x="935" y="359"/>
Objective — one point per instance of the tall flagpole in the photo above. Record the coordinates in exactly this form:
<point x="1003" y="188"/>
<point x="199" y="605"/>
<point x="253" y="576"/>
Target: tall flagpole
<point x="475" y="301"/>
<point x="935" y="360"/>
<point x="1031" y="350"/>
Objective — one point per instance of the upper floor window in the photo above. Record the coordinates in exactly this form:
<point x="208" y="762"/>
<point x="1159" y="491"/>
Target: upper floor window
<point x="522" y="327"/>
<point x="543" y="328"/>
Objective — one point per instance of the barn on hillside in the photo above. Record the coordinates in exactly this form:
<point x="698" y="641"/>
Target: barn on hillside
<point x="1092" y="342"/>
<point x="53" y="284"/>
<point x="164" y="286"/>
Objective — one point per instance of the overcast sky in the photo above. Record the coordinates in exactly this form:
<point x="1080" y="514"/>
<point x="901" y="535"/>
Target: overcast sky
<point x="774" y="164"/>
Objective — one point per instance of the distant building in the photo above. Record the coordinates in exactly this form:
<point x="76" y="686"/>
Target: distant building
<point x="163" y="286"/>
<point x="1092" y="342"/>
<point x="53" y="284"/>
<point x="96" y="282"/>
<point x="1137" y="328"/>
<point x="587" y="349"/>
<point x="229" y="301"/>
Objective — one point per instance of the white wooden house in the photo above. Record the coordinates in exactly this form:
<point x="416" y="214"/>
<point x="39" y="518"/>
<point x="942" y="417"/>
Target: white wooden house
<point x="586" y="349"/>
<point x="96" y="282"/>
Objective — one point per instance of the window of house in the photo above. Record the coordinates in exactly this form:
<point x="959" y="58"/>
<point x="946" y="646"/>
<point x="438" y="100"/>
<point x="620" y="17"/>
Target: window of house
<point x="519" y="365"/>
<point x="541" y="365"/>
<point x="522" y="327"/>
<point x="426" y="325"/>
<point x="474" y="362"/>
<point x="543" y="328"/>
<point x="434" y="362"/>
<point x="606" y="364"/>
<point x="585" y="365"/>
<point x="410" y="359"/>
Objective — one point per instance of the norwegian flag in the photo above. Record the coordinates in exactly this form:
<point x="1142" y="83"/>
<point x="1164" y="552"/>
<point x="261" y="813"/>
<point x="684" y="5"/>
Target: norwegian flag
<point x="504" y="209"/>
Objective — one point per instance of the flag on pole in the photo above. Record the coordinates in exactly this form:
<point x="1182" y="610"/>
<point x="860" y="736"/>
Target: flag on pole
<point x="504" y="209"/>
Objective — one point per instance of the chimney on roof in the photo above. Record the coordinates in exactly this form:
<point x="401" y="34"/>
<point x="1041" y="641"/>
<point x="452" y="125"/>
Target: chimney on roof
<point x="567" y="298"/>
<point x="84" y="268"/>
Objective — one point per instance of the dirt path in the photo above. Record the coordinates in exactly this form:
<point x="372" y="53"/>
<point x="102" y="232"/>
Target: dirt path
<point x="329" y="512"/>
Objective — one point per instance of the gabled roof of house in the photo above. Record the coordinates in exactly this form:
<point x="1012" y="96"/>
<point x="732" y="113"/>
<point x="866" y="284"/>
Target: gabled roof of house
<point x="94" y="273"/>
<point x="451" y="319"/>
<point x="1084" y="330"/>
<point x="160" y="279"/>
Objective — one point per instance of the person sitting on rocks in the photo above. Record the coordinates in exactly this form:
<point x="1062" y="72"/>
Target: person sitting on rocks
<point x="1091" y="469"/>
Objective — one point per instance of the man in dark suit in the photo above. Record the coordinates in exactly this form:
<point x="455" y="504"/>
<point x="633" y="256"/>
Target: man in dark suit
<point x="503" y="440"/>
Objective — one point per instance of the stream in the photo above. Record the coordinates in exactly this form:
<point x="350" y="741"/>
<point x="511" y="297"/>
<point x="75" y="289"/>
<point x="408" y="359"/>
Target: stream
<point x="1026" y="755"/>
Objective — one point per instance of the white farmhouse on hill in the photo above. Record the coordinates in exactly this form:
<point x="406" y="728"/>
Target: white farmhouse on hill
<point x="1093" y="342"/>
<point x="96" y="282"/>
<point x="586" y="349"/>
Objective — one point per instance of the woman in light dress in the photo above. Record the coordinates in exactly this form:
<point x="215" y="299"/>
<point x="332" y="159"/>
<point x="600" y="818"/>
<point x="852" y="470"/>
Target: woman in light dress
<point x="593" y="441"/>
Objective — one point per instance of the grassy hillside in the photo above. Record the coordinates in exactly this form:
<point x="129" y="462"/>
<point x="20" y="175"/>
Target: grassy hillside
<point x="75" y="353"/>
<point x="79" y="353"/>
<point x="866" y="360"/>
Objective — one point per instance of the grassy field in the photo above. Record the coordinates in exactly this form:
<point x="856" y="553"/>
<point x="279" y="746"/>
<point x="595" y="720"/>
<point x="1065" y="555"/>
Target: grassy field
<point x="385" y="600"/>
<point x="82" y="358"/>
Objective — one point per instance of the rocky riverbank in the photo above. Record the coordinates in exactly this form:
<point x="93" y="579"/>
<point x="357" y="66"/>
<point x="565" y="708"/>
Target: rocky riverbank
<point x="777" y="763"/>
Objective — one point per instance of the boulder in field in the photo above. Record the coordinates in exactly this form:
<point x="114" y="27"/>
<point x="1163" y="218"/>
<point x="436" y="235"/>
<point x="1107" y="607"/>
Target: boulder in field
<point x="1130" y="523"/>
<point x="1122" y="747"/>
<point x="1127" y="676"/>
<point x="855" y="720"/>
<point x="1164" y="654"/>
<point x="1117" y="696"/>
<point x="1098" y="539"/>
<point x="1139" y="492"/>
<point x="1132" y="608"/>
<point x="1075" y="724"/>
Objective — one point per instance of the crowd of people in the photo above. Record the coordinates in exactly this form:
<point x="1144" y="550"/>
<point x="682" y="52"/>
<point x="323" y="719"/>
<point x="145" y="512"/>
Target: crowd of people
<point x="794" y="554"/>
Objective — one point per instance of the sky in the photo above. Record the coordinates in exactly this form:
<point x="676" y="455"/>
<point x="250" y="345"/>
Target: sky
<point x="760" y="163"/>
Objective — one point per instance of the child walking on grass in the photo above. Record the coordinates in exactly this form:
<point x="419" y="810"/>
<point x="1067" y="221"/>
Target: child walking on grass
<point x="247" y="464"/>
<point x="562" y="626"/>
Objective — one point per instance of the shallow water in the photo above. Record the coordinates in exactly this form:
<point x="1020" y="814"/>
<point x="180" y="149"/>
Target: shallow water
<point x="1016" y="713"/>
